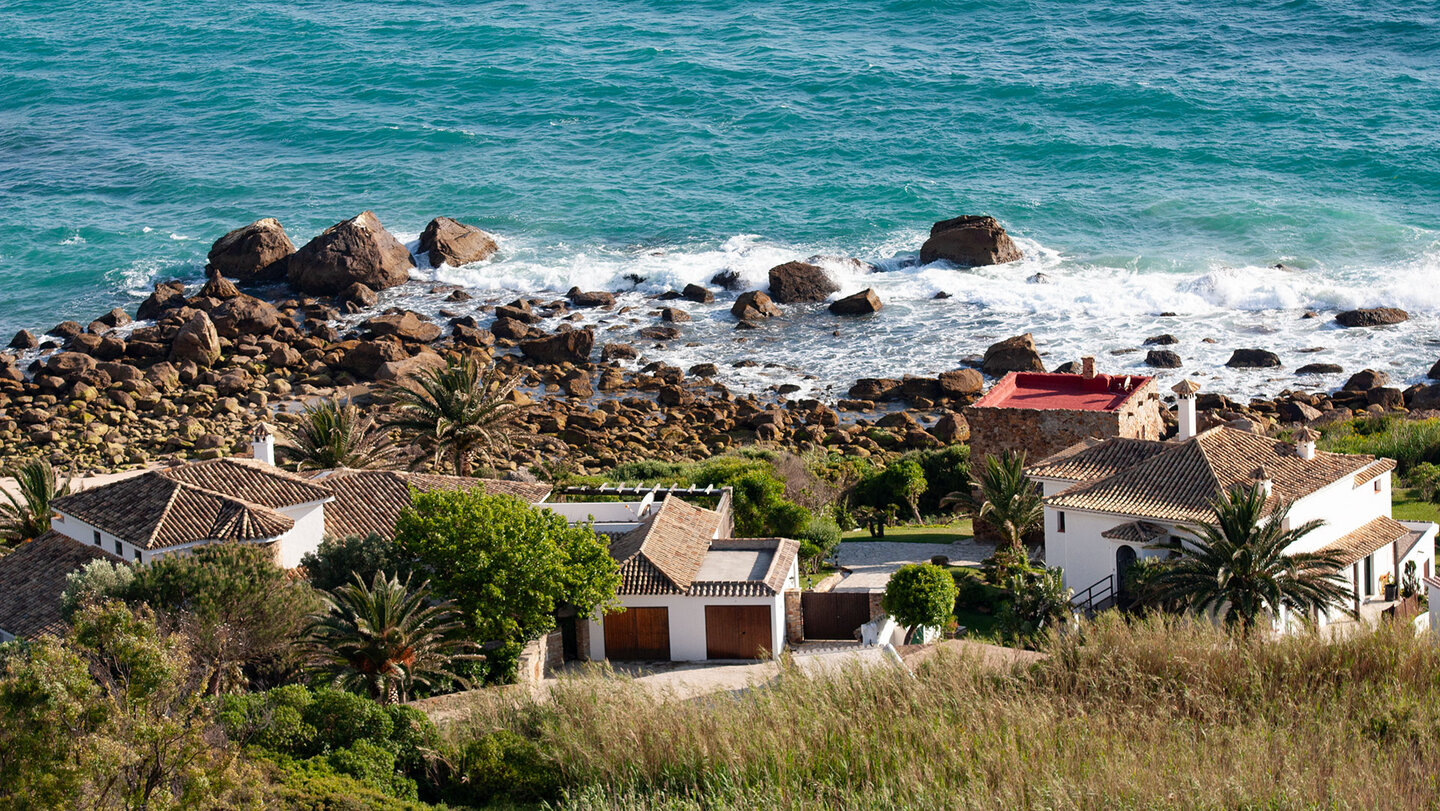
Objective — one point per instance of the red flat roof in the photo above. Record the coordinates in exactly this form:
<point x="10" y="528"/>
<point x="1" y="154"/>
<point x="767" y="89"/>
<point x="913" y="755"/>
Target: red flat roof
<point x="1043" y="390"/>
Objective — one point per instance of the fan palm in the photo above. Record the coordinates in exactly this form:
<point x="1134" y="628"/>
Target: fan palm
<point x="334" y="433"/>
<point x="25" y="514"/>
<point x="1009" y="501"/>
<point x="385" y="638"/>
<point x="1237" y="566"/>
<point x="457" y="412"/>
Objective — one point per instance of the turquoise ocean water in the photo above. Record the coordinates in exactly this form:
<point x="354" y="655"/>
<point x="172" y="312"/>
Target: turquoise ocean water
<point x="1151" y="156"/>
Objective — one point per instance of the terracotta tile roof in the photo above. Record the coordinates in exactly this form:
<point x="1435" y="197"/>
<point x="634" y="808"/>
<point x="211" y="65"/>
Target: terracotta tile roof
<point x="1379" y="468"/>
<point x="155" y="511"/>
<point x="664" y="553"/>
<point x="32" y="579"/>
<point x="1358" y="543"/>
<point x="369" y="501"/>
<point x="1092" y="459"/>
<point x="248" y="480"/>
<point x="1136" y="532"/>
<point x="1181" y="483"/>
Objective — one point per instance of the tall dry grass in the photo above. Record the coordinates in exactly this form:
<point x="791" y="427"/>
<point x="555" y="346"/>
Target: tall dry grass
<point x="1151" y="714"/>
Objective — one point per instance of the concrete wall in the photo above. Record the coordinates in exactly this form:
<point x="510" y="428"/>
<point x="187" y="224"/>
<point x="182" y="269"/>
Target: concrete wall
<point x="304" y="537"/>
<point x="687" y="622"/>
<point x="1342" y="506"/>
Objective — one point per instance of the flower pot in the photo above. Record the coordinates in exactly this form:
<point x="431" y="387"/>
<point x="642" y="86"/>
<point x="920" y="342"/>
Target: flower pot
<point x="1391" y="591"/>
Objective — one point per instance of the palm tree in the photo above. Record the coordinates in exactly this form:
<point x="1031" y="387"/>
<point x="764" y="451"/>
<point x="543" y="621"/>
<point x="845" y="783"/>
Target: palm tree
<point x="457" y="412"/>
<point x="1237" y="566"/>
<point x="386" y="639"/>
<point x="331" y="434"/>
<point x="25" y="514"/>
<point x="1009" y="501"/>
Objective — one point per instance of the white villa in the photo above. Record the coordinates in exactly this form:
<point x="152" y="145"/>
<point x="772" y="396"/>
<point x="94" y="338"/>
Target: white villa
<point x="1107" y="501"/>
<point x="694" y="592"/>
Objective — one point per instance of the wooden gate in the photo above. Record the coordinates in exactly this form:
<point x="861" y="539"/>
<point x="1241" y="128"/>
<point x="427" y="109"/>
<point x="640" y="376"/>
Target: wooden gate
<point x="834" y="614"/>
<point x="737" y="631"/>
<point x="638" y="633"/>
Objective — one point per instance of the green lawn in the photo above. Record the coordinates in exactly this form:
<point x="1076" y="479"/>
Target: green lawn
<point x="808" y="581"/>
<point x="1409" y="507"/>
<point x="960" y="530"/>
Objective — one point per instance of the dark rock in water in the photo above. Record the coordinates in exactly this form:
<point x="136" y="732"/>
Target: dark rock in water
<point x="257" y="252"/>
<point x="1161" y="340"/>
<point x="961" y="383"/>
<point x="1319" y="369"/>
<point x="1038" y="278"/>
<point x="752" y="305"/>
<point x="115" y="318"/>
<point x="66" y="329"/>
<point x="1366" y="380"/>
<point x="446" y="241"/>
<point x="356" y="250"/>
<point x="1252" y="359"/>
<point x="726" y="280"/>
<point x="64" y="364"/>
<point x="703" y="370"/>
<point x="940" y="296"/>
<point x="1309" y="314"/>
<point x="670" y="295"/>
<point x="1371" y="317"/>
<point x="197" y="342"/>
<point x="1167" y="314"/>
<point x="166" y="295"/>
<point x="697" y="294"/>
<point x="875" y="389"/>
<point x="245" y="315"/>
<point x="1434" y="373"/>
<point x="358" y="293"/>
<point x="799" y="282"/>
<point x="24" y="339"/>
<point x="522" y="314"/>
<point x="1422" y="398"/>
<point x="1162" y="359"/>
<point x="862" y="303"/>
<point x="1069" y="367"/>
<point x="660" y="333"/>
<point x="1017" y="354"/>
<point x="406" y="326"/>
<point x="457" y="296"/>
<point x="569" y="346"/>
<point x="674" y="315"/>
<point x="512" y="329"/>
<point x="969" y="241"/>
<point x="611" y="352"/>
<point x="595" y="298"/>
<point x="743" y="324"/>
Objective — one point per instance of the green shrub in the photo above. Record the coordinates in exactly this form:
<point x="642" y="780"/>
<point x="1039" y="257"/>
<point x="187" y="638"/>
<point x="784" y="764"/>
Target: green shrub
<point x="974" y="594"/>
<point x="336" y="561"/>
<point x="1408" y="442"/>
<point x="501" y="765"/>
<point x="373" y="765"/>
<point x="313" y="784"/>
<point x="1424" y="477"/>
<point x="342" y="719"/>
<point x="921" y="594"/>
<point x="96" y="581"/>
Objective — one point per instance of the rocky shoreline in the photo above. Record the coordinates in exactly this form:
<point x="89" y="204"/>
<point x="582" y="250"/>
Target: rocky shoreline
<point x="192" y="372"/>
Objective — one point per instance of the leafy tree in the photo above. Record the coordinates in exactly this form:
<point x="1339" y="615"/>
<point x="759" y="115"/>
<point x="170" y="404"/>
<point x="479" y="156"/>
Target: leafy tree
<point x="96" y="581"/>
<point x="758" y="503"/>
<point x="906" y="481"/>
<point x="1237" y="566"/>
<point x="1425" y="477"/>
<point x="386" y="638"/>
<point x="245" y="616"/>
<point x="334" y="433"/>
<point x="458" y="412"/>
<point x="1009" y="501"/>
<point x="336" y="562"/>
<point x="115" y="716"/>
<point x="25" y="514"/>
<point x="921" y="594"/>
<point x="507" y="566"/>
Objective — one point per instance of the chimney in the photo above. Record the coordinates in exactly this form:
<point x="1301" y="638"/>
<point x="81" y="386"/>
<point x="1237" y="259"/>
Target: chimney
<point x="1264" y="481"/>
<point x="1087" y="367"/>
<point x="1185" y="407"/>
<point x="1305" y="443"/>
<point x="263" y="443"/>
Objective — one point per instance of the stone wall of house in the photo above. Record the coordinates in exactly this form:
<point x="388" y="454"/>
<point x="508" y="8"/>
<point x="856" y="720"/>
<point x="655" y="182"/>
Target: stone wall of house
<point x="540" y="657"/>
<point x="794" y="618"/>
<point x="876" y="612"/>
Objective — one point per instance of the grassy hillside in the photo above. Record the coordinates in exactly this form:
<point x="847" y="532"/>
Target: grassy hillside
<point x="1159" y="714"/>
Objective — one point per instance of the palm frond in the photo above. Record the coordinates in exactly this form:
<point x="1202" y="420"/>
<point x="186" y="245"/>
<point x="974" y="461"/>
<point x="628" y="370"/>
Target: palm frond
<point x="457" y="412"/>
<point x="334" y="433"/>
<point x="25" y="514"/>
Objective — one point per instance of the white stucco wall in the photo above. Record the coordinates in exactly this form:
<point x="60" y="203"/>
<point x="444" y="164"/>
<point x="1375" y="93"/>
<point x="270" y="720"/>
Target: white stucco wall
<point x="77" y="530"/>
<point x="1342" y="506"/>
<point x="687" y="622"/>
<point x="304" y="537"/>
<point x="1082" y="552"/>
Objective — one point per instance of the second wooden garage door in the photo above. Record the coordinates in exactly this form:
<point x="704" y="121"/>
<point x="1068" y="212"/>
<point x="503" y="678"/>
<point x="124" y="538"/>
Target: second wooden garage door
<point x="737" y="631"/>
<point x="638" y="633"/>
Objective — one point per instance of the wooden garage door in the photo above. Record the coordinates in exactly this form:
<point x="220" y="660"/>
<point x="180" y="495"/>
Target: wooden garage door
<point x="638" y="633"/>
<point x="834" y="614"/>
<point x="737" y="631"/>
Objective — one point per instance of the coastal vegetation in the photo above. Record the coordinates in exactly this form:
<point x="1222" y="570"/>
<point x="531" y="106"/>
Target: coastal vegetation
<point x="458" y="413"/>
<point x="25" y="514"/>
<point x="333" y="433"/>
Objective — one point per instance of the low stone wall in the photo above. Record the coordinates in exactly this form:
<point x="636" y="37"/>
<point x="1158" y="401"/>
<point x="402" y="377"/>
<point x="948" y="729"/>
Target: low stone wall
<point x="539" y="658"/>
<point x="794" y="618"/>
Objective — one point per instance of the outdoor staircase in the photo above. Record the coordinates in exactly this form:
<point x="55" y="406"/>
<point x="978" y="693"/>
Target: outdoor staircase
<point x="1100" y="596"/>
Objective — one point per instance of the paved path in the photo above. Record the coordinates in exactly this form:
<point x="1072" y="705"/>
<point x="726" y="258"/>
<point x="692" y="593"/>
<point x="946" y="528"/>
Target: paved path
<point x="872" y="562"/>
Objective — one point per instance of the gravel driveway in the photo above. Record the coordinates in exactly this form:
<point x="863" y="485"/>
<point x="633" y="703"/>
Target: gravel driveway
<point x="872" y="562"/>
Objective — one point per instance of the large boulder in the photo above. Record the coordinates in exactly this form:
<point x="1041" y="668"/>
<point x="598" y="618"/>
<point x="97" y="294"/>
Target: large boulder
<point x="799" y="282"/>
<point x="245" y="315"/>
<point x="1017" y="354"/>
<point x="698" y="294"/>
<point x="409" y="367"/>
<point x="961" y="383"/>
<point x="166" y="296"/>
<point x="862" y="303"/>
<point x="1366" y="380"/>
<point x="255" y="253"/>
<point x="1162" y="359"/>
<point x="1371" y="317"/>
<point x="366" y="358"/>
<point x="569" y="346"/>
<point x="448" y="242"/>
<point x="64" y="364"/>
<point x="1252" y="359"/>
<point x="1320" y="369"/>
<point x="753" y="305"/>
<point x="196" y="342"/>
<point x="406" y="326"/>
<point x="969" y="241"/>
<point x="356" y="250"/>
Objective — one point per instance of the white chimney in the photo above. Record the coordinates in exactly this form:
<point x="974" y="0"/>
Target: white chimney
<point x="1264" y="481"/>
<point x="263" y="443"/>
<point x="1185" y="407"/>
<point x="1305" y="443"/>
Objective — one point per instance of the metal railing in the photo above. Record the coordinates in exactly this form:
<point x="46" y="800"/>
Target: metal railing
<point x="1100" y="595"/>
